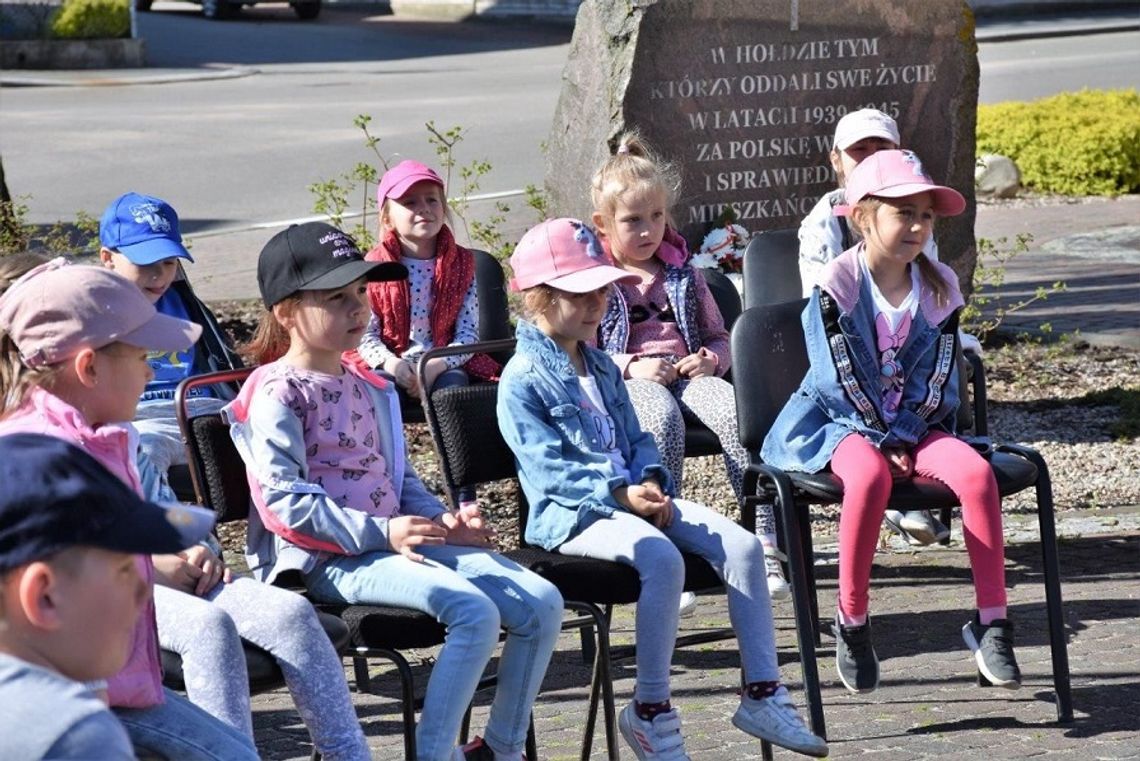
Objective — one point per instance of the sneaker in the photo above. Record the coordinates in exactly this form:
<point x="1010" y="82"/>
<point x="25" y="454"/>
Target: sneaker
<point x="478" y="750"/>
<point x="657" y="739"/>
<point x="688" y="605"/>
<point x="855" y="657"/>
<point x="993" y="650"/>
<point x="918" y="527"/>
<point x="778" y="588"/>
<point x="776" y="720"/>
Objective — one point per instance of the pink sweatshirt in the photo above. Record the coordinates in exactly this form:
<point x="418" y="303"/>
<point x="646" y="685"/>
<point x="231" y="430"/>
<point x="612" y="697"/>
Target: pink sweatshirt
<point x="139" y="684"/>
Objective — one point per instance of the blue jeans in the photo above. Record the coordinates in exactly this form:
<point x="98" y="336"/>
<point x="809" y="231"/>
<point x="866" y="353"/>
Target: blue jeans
<point x="735" y="554"/>
<point x="178" y="729"/>
<point x="473" y="593"/>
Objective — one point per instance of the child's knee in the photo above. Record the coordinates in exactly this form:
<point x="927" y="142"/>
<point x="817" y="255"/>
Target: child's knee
<point x="658" y="557"/>
<point x="477" y="614"/>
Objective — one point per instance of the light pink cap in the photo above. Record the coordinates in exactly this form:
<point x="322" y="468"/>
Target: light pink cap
<point x="864" y="123"/>
<point x="897" y="174"/>
<point x="564" y="254"/>
<point x="400" y="178"/>
<point x="54" y="312"/>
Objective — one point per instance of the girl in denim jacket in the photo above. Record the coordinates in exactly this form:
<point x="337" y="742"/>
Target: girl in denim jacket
<point x="336" y="498"/>
<point x="879" y="403"/>
<point x="663" y="328"/>
<point x="596" y="488"/>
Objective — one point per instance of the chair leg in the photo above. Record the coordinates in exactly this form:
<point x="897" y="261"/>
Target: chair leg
<point x="407" y="693"/>
<point x="601" y="684"/>
<point x="1057" y="646"/>
<point x="360" y="672"/>
<point x="808" y="555"/>
<point x="465" y="726"/>
<point x="946" y="516"/>
<point x="531" y="742"/>
<point x="806" y="631"/>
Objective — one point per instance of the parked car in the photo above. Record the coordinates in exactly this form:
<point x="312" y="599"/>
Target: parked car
<point x="223" y="9"/>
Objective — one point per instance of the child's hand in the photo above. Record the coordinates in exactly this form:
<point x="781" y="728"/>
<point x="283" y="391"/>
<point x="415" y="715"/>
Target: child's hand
<point x="408" y="532"/>
<point x="648" y="501"/>
<point x="900" y="462"/>
<point x="654" y="369"/>
<point x="212" y="568"/>
<point x="433" y="368"/>
<point x="697" y="365"/>
<point x="467" y="527"/>
<point x="405" y="375"/>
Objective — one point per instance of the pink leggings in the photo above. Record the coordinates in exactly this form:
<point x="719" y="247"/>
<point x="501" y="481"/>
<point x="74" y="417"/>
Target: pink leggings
<point x="866" y="488"/>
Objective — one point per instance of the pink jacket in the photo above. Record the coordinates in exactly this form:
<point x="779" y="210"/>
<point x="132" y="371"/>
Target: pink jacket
<point x="139" y="684"/>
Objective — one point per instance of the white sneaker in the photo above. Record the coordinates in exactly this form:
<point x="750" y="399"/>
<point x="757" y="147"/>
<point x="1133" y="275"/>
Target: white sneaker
<point x="657" y="739"/>
<point x="688" y="604"/>
<point x="918" y="527"/>
<point x="778" y="588"/>
<point x="776" y="720"/>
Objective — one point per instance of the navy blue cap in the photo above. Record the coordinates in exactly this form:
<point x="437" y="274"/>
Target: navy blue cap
<point x="142" y="228"/>
<point x="55" y="496"/>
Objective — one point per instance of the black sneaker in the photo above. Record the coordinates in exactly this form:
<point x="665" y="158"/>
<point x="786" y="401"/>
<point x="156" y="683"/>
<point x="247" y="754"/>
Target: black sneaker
<point x="855" y="657"/>
<point x="993" y="650"/>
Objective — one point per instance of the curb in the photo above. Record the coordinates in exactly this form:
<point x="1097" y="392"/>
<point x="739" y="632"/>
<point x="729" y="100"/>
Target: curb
<point x="106" y="78"/>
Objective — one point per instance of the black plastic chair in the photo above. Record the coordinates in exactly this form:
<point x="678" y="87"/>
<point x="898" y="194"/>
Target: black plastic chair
<point x="370" y="631"/>
<point x="772" y="268"/>
<point x="464" y="427"/>
<point x="771" y="361"/>
<point x="494" y="319"/>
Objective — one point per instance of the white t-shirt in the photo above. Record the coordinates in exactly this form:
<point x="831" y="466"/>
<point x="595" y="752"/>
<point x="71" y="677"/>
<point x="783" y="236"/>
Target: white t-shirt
<point x="604" y="427"/>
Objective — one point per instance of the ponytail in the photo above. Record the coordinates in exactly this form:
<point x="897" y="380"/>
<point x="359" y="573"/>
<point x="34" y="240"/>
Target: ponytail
<point x="271" y="340"/>
<point x="930" y="275"/>
<point x="632" y="167"/>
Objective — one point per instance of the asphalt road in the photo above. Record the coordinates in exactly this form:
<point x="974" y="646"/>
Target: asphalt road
<point x="236" y="155"/>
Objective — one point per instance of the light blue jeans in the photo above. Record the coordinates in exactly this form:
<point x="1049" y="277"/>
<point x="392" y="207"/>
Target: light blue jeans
<point x="473" y="593"/>
<point x="735" y="554"/>
<point x="178" y="729"/>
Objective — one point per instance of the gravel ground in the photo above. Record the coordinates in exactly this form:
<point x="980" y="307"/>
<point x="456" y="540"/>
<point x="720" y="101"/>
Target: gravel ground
<point x="1047" y="397"/>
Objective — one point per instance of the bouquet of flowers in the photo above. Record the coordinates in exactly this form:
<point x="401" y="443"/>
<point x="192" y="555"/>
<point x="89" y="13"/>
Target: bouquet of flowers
<point x="723" y="249"/>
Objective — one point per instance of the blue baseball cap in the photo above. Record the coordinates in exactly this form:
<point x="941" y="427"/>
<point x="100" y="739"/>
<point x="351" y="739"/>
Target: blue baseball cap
<point x="142" y="228"/>
<point x="55" y="496"/>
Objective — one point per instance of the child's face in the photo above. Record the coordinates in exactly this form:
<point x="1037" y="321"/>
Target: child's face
<point x="418" y="215"/>
<point x="843" y="162"/>
<point x="121" y="375"/>
<point x="331" y="321"/>
<point x="637" y="227"/>
<point x="573" y="317"/>
<point x="152" y="279"/>
<point x="96" y="603"/>
<point x="897" y="229"/>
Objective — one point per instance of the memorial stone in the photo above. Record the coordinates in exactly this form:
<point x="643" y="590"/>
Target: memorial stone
<point x="744" y="95"/>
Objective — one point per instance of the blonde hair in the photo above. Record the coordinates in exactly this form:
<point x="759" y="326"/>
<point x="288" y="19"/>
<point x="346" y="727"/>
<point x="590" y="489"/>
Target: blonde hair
<point x="927" y="272"/>
<point x="537" y="299"/>
<point x="16" y="378"/>
<point x="633" y="168"/>
<point x="271" y="340"/>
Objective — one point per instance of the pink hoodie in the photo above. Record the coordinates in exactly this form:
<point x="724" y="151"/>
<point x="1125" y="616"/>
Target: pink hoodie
<point x="139" y="684"/>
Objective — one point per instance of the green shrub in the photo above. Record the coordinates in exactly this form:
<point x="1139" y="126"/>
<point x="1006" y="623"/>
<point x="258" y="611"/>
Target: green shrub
<point x="85" y="19"/>
<point x="1083" y="143"/>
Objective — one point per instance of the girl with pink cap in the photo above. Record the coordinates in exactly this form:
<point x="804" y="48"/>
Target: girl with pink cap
<point x="880" y="403"/>
<point x="596" y="488"/>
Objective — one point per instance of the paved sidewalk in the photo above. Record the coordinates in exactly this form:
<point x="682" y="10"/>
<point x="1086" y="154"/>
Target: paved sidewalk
<point x="1093" y="247"/>
<point x="927" y="706"/>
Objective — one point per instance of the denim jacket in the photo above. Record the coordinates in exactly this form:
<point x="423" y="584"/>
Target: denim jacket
<point x="840" y="393"/>
<point x="294" y="524"/>
<point x="567" y="480"/>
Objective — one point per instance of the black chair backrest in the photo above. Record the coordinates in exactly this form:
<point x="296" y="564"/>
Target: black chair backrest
<point x="724" y="293"/>
<point x="769" y="360"/>
<point x="216" y="468"/>
<point x="772" y="268"/>
<point x="494" y="310"/>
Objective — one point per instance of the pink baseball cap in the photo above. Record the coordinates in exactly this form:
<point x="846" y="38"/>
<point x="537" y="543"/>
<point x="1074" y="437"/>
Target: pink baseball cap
<point x="54" y="312"/>
<point x="564" y="254"/>
<point x="897" y="174"/>
<point x="864" y="123"/>
<point x="397" y="180"/>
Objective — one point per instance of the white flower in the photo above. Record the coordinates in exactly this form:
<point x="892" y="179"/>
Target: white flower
<point x="705" y="261"/>
<point x="723" y="246"/>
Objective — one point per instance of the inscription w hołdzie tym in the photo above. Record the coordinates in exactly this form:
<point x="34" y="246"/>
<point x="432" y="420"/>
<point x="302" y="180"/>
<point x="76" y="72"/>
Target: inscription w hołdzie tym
<point x="745" y="94"/>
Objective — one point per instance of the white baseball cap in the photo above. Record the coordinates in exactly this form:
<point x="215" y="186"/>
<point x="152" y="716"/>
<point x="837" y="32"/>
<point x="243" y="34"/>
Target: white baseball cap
<point x="864" y="123"/>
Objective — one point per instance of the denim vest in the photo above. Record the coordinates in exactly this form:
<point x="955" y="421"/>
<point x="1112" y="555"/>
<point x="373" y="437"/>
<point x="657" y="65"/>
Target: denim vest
<point x="613" y="332"/>
<point x="567" y="479"/>
<point x="841" y="395"/>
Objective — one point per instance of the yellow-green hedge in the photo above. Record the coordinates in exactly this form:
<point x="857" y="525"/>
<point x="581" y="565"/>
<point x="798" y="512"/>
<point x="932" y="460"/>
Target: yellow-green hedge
<point x="1084" y="143"/>
<point x="85" y="19"/>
